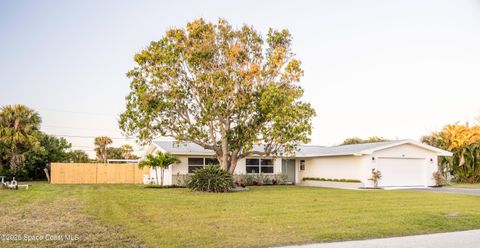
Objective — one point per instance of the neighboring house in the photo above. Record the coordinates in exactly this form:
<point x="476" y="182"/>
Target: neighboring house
<point x="401" y="162"/>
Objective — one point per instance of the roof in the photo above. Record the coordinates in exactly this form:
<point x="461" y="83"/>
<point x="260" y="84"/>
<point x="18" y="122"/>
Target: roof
<point x="189" y="148"/>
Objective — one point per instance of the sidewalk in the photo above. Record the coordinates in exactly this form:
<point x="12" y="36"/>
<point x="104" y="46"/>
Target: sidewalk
<point x="463" y="239"/>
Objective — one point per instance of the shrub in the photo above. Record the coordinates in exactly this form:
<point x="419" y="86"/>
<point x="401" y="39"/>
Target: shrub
<point x="267" y="180"/>
<point x="210" y="179"/>
<point x="260" y="179"/>
<point x="439" y="179"/>
<point x="376" y="176"/>
<point x="331" y="179"/>
<point x="182" y="180"/>
<point x="249" y="179"/>
<point x="281" y="178"/>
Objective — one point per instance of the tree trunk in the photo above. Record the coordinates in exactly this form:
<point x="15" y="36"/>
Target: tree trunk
<point x="162" y="170"/>
<point x="233" y="164"/>
<point x="224" y="162"/>
<point x="156" y="174"/>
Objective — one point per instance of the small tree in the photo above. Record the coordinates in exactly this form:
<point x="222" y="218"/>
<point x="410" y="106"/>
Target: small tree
<point x="161" y="160"/>
<point x="376" y="176"/>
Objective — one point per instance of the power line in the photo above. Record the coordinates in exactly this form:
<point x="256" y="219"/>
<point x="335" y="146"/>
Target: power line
<point x="73" y="128"/>
<point x="88" y="137"/>
<point x="77" y="112"/>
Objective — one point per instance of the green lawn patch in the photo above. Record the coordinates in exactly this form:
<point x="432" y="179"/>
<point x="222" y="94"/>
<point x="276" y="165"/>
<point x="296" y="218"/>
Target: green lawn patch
<point x="262" y="216"/>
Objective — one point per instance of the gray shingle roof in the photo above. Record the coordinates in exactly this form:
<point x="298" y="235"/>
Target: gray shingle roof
<point x="303" y="150"/>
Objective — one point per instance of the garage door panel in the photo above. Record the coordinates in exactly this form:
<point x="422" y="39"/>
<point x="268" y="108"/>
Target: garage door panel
<point x="402" y="172"/>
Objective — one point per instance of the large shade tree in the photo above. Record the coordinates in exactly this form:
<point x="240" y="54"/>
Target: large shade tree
<point x="51" y="149"/>
<point x="19" y="134"/>
<point x="223" y="88"/>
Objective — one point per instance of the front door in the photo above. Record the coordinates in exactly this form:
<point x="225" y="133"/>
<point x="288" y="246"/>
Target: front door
<point x="288" y="167"/>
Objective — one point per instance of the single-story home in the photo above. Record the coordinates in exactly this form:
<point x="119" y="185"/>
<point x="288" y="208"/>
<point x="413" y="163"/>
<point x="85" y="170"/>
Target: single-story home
<point x="402" y="163"/>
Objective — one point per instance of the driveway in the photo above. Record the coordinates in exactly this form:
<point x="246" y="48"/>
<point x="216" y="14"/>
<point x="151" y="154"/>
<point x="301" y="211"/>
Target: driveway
<point x="449" y="190"/>
<point x="464" y="239"/>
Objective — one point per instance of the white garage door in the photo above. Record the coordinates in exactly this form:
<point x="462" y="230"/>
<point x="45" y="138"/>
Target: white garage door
<point x="401" y="172"/>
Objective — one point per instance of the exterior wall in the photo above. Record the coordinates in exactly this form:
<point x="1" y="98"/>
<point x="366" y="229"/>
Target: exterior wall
<point x="341" y="185"/>
<point x="181" y="168"/>
<point x="338" y="167"/>
<point x="406" y="151"/>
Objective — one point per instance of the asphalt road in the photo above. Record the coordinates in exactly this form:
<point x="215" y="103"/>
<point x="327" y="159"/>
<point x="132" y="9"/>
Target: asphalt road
<point x="449" y="190"/>
<point x="464" y="239"/>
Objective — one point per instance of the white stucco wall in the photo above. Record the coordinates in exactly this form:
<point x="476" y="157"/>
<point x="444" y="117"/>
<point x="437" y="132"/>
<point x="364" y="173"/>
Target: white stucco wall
<point x="406" y="151"/>
<point x="182" y="167"/>
<point x="338" y="167"/>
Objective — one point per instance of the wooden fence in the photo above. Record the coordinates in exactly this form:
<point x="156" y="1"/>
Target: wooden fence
<point x="88" y="173"/>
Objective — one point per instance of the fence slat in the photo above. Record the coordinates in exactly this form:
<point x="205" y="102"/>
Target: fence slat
<point x="89" y="173"/>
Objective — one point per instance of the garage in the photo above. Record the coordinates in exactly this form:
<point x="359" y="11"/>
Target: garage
<point x="398" y="172"/>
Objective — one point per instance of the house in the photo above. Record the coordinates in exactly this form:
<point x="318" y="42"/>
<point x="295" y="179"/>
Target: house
<point x="401" y="162"/>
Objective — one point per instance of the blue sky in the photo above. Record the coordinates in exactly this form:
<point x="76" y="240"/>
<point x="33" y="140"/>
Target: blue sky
<point x="397" y="69"/>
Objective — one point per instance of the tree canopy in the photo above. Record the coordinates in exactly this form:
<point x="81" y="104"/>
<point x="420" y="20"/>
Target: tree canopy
<point x="223" y="88"/>
<point x="463" y="140"/>
<point x="101" y="147"/>
<point x="19" y="133"/>
<point x="356" y="140"/>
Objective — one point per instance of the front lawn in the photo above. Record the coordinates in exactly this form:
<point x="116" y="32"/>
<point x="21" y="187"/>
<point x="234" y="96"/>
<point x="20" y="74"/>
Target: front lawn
<point x="129" y="215"/>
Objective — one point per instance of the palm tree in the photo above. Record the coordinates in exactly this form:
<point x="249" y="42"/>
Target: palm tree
<point x="19" y="132"/>
<point x="161" y="160"/>
<point x="101" y="144"/>
<point x="127" y="151"/>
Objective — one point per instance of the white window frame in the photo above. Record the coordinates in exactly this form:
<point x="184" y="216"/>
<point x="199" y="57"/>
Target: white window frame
<point x="259" y="166"/>
<point x="202" y="165"/>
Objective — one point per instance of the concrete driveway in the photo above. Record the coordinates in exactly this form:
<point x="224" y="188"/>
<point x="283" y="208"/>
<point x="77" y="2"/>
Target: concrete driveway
<point x="448" y="190"/>
<point x="464" y="239"/>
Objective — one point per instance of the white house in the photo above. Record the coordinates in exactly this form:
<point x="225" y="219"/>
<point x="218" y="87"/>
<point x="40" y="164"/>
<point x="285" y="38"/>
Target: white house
<point x="401" y="162"/>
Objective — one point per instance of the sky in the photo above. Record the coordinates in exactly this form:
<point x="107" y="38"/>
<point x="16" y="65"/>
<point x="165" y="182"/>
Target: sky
<point x="396" y="69"/>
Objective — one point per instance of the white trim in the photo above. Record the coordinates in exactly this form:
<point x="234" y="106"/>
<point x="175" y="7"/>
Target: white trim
<point x="412" y="142"/>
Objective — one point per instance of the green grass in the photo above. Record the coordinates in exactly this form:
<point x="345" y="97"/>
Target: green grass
<point x="263" y="216"/>
<point x="465" y="186"/>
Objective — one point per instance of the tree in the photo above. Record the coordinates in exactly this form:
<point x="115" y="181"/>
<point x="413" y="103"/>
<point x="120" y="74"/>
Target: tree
<point x="78" y="156"/>
<point x="352" y="140"/>
<point x="222" y="88"/>
<point x="161" y="160"/>
<point x="101" y="144"/>
<point x="127" y="152"/>
<point x="51" y="149"/>
<point x="464" y="142"/>
<point x="114" y="153"/>
<point x="123" y="152"/>
<point x="356" y="140"/>
<point x="19" y="133"/>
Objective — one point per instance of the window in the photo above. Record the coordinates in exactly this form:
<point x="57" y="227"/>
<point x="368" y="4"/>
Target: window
<point x="194" y="164"/>
<point x="211" y="161"/>
<point x="198" y="163"/>
<point x="255" y="165"/>
<point x="252" y="165"/>
<point x="267" y="166"/>
<point x="302" y="165"/>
